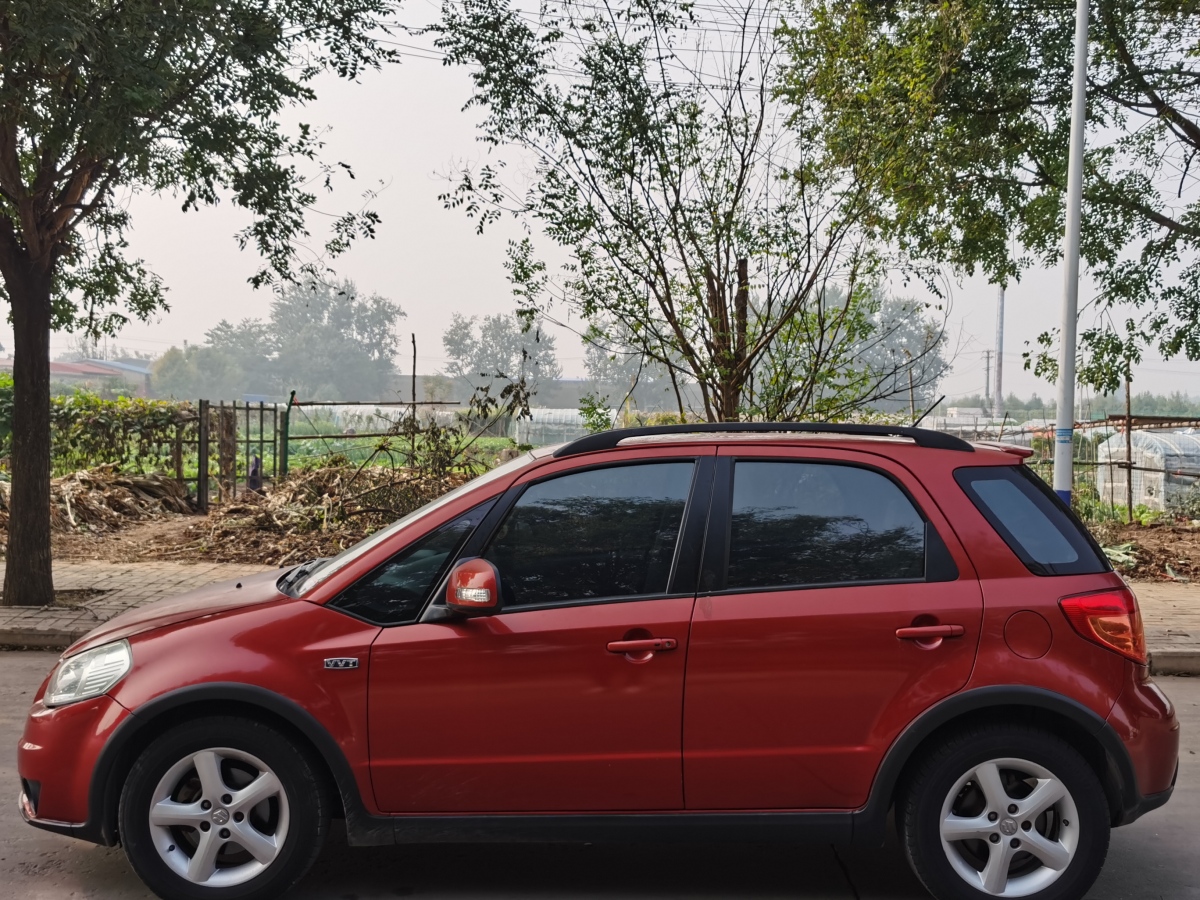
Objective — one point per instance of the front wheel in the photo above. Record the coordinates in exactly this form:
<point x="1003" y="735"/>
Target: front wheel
<point x="224" y="809"/>
<point x="1005" y="812"/>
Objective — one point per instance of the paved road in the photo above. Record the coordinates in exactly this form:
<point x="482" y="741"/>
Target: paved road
<point x="1157" y="858"/>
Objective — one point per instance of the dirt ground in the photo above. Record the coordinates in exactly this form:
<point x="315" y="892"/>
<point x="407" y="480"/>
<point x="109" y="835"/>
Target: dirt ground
<point x="141" y="541"/>
<point x="1161" y="552"/>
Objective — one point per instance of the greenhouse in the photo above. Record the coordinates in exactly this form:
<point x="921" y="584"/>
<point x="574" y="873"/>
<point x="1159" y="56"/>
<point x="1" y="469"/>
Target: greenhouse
<point x="548" y="426"/>
<point x="1166" y="469"/>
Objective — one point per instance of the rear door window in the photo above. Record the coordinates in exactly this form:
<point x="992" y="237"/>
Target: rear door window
<point x="794" y="524"/>
<point x="1037" y="527"/>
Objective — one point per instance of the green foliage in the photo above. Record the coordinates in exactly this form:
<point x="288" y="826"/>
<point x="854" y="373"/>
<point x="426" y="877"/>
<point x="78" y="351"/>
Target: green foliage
<point x="179" y="96"/>
<point x="129" y="432"/>
<point x="596" y="413"/>
<point x="956" y="116"/>
<point x="1122" y="555"/>
<point x="1185" y="504"/>
<point x="6" y="411"/>
<point x="87" y="430"/>
<point x="325" y="341"/>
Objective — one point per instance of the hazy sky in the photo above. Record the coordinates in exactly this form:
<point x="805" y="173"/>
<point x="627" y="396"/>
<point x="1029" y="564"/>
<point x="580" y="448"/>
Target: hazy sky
<point x="404" y="126"/>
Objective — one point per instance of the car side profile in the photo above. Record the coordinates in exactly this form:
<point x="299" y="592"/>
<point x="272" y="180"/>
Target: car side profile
<point x="746" y="631"/>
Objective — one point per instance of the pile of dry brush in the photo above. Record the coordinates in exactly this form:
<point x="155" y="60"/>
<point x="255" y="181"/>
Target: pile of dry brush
<point x="103" y="499"/>
<point x="311" y="513"/>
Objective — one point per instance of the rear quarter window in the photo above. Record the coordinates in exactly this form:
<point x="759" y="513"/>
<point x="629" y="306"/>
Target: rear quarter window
<point x="1038" y="528"/>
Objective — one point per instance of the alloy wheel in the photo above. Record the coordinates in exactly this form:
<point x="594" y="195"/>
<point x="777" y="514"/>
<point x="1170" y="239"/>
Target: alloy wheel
<point x="1009" y="827"/>
<point x="219" y="817"/>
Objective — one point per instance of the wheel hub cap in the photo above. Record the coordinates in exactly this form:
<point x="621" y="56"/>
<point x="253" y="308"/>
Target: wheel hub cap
<point x="1007" y="826"/>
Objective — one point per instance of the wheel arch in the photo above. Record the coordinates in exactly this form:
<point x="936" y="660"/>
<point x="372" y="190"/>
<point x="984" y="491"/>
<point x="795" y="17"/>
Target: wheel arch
<point x="1084" y="729"/>
<point x="167" y="710"/>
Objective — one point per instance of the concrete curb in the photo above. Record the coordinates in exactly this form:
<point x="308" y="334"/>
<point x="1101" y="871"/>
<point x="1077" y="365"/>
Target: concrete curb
<point x="1175" y="662"/>
<point x="37" y="639"/>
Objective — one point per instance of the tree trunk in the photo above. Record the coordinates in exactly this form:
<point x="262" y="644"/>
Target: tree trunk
<point x="27" y="573"/>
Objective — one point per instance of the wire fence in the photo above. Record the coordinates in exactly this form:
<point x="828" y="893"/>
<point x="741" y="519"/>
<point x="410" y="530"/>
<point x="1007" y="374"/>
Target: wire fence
<point x="1124" y="470"/>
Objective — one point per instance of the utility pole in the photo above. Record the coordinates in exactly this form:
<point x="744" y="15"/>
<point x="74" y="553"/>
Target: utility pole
<point x="998" y="404"/>
<point x="1128" y="446"/>
<point x="1064" y="431"/>
<point x="987" y="376"/>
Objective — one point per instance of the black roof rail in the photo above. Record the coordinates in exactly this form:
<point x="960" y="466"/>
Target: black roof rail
<point x="922" y="437"/>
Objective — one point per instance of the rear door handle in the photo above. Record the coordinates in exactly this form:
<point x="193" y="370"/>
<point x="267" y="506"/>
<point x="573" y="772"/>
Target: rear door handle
<point x="642" y="645"/>
<point x="925" y="632"/>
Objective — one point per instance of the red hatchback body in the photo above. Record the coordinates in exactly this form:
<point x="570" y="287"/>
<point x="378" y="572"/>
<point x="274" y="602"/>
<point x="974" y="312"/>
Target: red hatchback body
<point x="758" y="631"/>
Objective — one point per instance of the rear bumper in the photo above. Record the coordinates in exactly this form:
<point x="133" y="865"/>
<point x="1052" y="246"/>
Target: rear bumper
<point x="1144" y="720"/>
<point x="1149" y="803"/>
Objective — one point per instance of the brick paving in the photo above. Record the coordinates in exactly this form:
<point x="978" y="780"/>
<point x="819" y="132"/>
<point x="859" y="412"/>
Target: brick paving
<point x="1171" y="612"/>
<point x="124" y="586"/>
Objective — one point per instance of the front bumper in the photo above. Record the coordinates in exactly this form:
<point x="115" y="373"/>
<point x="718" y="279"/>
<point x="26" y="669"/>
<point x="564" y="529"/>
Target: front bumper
<point x="56" y="758"/>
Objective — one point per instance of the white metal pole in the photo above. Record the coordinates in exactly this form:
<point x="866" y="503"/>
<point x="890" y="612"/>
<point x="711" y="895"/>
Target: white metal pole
<point x="998" y="404"/>
<point x="1065" y="426"/>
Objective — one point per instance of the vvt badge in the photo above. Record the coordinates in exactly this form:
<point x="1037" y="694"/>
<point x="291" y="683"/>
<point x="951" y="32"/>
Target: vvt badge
<point x="342" y="662"/>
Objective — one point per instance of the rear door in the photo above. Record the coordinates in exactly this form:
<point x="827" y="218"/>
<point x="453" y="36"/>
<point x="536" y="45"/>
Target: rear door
<point x="803" y="665"/>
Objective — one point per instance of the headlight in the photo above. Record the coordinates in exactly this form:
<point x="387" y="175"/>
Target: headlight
<point x="88" y="674"/>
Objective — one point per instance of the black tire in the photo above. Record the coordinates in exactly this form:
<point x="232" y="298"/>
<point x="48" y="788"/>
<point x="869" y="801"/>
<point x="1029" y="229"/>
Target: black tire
<point x="925" y="794"/>
<point x="301" y="810"/>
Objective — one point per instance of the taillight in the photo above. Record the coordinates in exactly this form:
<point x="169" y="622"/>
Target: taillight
<point x="1110" y="619"/>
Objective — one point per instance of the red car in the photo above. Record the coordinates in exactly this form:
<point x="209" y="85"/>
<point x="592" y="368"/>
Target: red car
<point x="732" y="631"/>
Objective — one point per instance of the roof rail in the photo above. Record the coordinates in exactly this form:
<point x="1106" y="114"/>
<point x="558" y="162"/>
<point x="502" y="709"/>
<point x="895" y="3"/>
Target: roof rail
<point x="922" y="437"/>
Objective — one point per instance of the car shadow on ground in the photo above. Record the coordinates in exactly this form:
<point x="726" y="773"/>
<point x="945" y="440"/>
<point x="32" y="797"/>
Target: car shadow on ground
<point x="603" y="870"/>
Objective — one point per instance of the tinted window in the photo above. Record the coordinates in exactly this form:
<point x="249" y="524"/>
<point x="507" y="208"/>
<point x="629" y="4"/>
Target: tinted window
<point x="818" y="523"/>
<point x="1043" y="533"/>
<point x="396" y="591"/>
<point x="600" y="533"/>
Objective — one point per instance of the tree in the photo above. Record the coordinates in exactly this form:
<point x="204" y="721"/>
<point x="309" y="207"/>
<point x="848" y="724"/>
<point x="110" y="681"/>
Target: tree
<point x="197" y="371"/>
<point x="695" y="225"/>
<point x="500" y="349"/>
<point x="847" y="353"/>
<point x="616" y="364"/>
<point x="101" y="99"/>
<point x="957" y="116"/>
<point x="904" y="352"/>
<point x="332" y="342"/>
<point x="325" y="341"/>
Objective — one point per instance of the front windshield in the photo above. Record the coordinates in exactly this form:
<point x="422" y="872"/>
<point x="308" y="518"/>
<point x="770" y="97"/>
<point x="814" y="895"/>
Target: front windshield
<point x="335" y="564"/>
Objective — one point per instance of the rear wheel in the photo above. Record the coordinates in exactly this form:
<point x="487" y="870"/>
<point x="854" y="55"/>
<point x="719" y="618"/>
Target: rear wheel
<point x="1005" y="812"/>
<point x="222" y="808"/>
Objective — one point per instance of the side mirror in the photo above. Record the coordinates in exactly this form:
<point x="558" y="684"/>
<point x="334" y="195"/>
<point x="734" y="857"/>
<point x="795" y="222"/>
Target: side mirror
<point x="473" y="588"/>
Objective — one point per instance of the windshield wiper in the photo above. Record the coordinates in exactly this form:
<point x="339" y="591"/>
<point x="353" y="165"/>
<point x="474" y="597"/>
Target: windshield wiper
<point x="301" y="571"/>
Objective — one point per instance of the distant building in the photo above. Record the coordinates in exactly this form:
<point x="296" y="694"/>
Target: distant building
<point x="93" y="373"/>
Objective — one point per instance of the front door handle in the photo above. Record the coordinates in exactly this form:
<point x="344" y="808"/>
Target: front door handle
<point x="926" y="632"/>
<point x="643" y="645"/>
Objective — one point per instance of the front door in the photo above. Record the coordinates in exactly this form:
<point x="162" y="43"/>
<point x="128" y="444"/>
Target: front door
<point x="801" y="670"/>
<point x="541" y="707"/>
